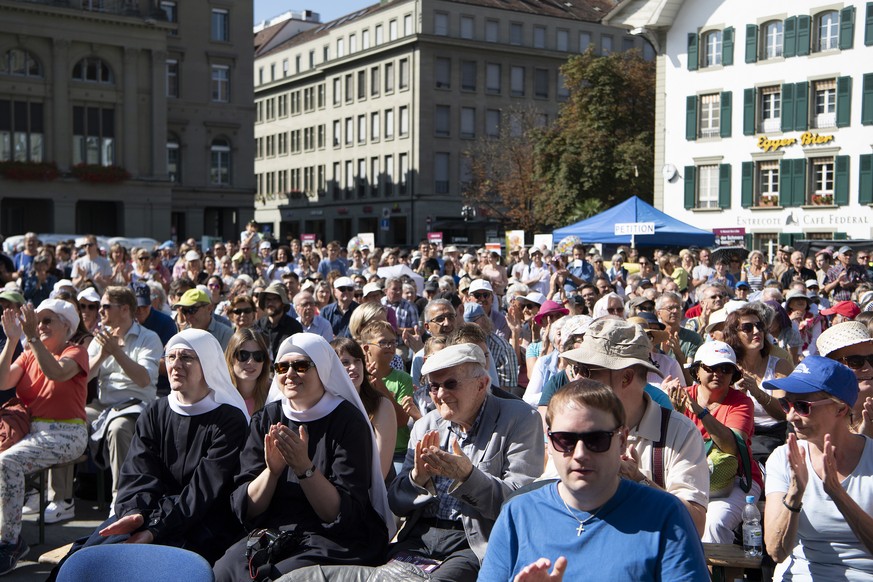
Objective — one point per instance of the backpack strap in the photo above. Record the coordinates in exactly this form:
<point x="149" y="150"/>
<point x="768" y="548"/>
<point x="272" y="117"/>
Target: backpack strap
<point x="658" y="449"/>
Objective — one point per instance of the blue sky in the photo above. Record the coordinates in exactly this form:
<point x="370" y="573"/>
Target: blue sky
<point x="329" y="10"/>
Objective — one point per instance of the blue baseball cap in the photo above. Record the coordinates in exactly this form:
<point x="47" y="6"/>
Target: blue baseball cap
<point x="472" y="312"/>
<point x="819" y="374"/>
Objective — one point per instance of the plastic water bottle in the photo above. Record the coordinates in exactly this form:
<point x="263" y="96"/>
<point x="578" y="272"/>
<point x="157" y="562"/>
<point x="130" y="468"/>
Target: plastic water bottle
<point x="752" y="529"/>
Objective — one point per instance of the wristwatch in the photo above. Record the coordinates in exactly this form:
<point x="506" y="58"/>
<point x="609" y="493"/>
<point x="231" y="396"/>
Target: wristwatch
<point x="30" y="340"/>
<point x="307" y="473"/>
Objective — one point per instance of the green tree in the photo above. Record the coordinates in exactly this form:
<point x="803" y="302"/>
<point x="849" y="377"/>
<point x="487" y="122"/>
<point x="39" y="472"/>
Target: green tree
<point x="601" y="147"/>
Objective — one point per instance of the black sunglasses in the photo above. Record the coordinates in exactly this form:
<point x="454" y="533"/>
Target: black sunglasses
<point x="345" y="289"/>
<point x="802" y="407"/>
<point x="299" y="367"/>
<point x="89" y="306"/>
<point x="482" y="294"/>
<point x="242" y="311"/>
<point x="190" y="310"/>
<point x="584" y="371"/>
<point x="857" y="362"/>
<point x="434" y="387"/>
<point x="720" y="368"/>
<point x="749" y="327"/>
<point x="244" y="355"/>
<point x="596" y="441"/>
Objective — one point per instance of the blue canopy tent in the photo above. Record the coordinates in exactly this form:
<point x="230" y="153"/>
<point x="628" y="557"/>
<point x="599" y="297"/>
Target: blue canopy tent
<point x="668" y="231"/>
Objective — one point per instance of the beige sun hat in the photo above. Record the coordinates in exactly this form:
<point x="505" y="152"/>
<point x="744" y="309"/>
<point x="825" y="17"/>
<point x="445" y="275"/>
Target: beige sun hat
<point x="614" y="344"/>
<point x="842" y="335"/>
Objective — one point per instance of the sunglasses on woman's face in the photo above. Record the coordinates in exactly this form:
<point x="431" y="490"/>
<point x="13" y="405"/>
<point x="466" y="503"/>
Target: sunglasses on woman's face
<point x="242" y="311"/>
<point x="244" y="355"/>
<point x="802" y="407"/>
<point x="857" y="362"/>
<point x="750" y="327"/>
<point x="724" y="369"/>
<point x="596" y="441"/>
<point x="89" y="306"/>
<point x="299" y="367"/>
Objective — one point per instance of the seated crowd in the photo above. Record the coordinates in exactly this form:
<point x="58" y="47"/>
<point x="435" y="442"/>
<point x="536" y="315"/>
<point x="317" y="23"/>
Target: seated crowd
<point x="286" y="412"/>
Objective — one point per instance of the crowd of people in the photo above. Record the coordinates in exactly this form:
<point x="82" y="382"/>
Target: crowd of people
<point x="318" y="412"/>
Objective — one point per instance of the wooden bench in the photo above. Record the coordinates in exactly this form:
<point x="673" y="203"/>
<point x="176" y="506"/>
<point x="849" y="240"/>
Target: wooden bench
<point x="728" y="562"/>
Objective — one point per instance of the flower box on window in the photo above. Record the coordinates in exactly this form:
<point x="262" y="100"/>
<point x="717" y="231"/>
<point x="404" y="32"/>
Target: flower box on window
<point x="822" y="199"/>
<point x="35" y="171"/>
<point x="769" y="200"/>
<point x="97" y="174"/>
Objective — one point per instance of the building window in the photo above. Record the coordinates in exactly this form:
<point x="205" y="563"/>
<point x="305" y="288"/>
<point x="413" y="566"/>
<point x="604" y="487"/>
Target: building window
<point x="403" y="163"/>
<point x="627" y="44"/>
<point x="492" y="122"/>
<point x="403" y="83"/>
<point x="349" y="88"/>
<point x="362" y="84"/>
<point x="827" y="31"/>
<point x="516" y="33"/>
<point x="378" y="35"/>
<point x="374" y="81"/>
<point x="350" y="178"/>
<point x="93" y="136"/>
<point x="321" y="131"/>
<point x="822" y="190"/>
<point x="283" y="143"/>
<point x="93" y="70"/>
<point x="707" y="186"/>
<point x="374" y="176"/>
<point x="584" y="41"/>
<point x="174" y="159"/>
<point x="404" y="121"/>
<point x="492" y="78"/>
<point x="407" y="25"/>
<point x="709" y="117"/>
<point x="220" y="83"/>
<point x="389" y="124"/>
<point x="365" y="39"/>
<point x="353" y="44"/>
<point x="392" y="30"/>
<point x="389" y="77"/>
<point x="296" y="64"/>
<point x="362" y="129"/>
<point x="337" y="180"/>
<point x="605" y="44"/>
<point x="441" y="172"/>
<point x="375" y="125"/>
<point x="492" y="31"/>
<point x="325" y="53"/>
<point x="350" y="129"/>
<point x="321" y="96"/>
<point x="172" y="78"/>
<point x="337" y="92"/>
<point x="220" y="25"/>
<point x="825" y="95"/>
<point x="468" y="75"/>
<point x="361" y="184"/>
<point x="388" y="182"/>
<point x="442" y="73"/>
<point x="541" y="83"/>
<point x="442" y="121"/>
<point x="712" y="44"/>
<point x="563" y="90"/>
<point x="768" y="183"/>
<point x="340" y="48"/>
<point x="516" y="79"/>
<point x="219" y="168"/>
<point x="337" y="133"/>
<point x="21" y="131"/>
<point x="562" y="40"/>
<point x="539" y="37"/>
<point x="295" y="141"/>
<point x="467" y="27"/>
<point x="20" y="63"/>
<point x="773" y="39"/>
<point x="468" y="122"/>
<point x="771" y="109"/>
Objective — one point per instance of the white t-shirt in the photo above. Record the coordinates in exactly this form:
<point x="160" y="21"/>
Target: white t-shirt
<point x="827" y="549"/>
<point x="542" y="274"/>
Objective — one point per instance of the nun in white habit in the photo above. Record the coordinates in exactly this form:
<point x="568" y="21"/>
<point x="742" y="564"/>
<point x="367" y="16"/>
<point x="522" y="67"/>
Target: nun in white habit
<point x="176" y="480"/>
<point x="311" y="465"/>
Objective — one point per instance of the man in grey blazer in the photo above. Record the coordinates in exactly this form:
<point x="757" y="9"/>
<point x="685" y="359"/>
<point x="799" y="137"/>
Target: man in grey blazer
<point x="463" y="460"/>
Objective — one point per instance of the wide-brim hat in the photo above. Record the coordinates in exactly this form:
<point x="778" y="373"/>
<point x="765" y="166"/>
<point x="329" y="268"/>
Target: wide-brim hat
<point x="275" y="288"/>
<point x="614" y="344"/>
<point x="841" y="335"/>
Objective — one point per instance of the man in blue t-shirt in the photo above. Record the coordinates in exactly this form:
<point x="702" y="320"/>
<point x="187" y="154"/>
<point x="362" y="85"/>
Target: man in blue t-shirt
<point x="578" y="272"/>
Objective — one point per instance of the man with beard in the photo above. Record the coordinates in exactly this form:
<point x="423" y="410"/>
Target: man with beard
<point x="277" y="324"/>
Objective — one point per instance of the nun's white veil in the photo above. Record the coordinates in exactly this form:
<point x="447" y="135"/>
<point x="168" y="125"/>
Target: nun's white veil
<point x="215" y="372"/>
<point x="338" y="387"/>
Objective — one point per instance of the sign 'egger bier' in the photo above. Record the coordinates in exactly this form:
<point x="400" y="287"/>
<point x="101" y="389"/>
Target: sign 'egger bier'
<point x="807" y="138"/>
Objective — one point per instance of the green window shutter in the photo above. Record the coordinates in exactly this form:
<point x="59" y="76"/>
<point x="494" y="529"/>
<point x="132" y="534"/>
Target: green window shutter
<point x="841" y="236"/>
<point x="786" y="194"/>
<point x="847" y="27"/>
<point x="865" y="179"/>
<point x="786" y="238"/>
<point x="725" y="119"/>
<point x="868" y="25"/>
<point x="844" y="101"/>
<point x="841" y="180"/>
<point x="691" y="117"/>
<point x="724" y="185"/>
<point x="789" y="37"/>
<point x="748" y="112"/>
<point x="747" y="184"/>
<point x="727" y="46"/>
<point x="804" y="22"/>
<point x="867" y="100"/>
<point x="788" y="107"/>
<point x="690" y="186"/>
<point x="798" y="182"/>
<point x="692" y="52"/>
<point x="801" y="106"/>
<point x="751" y="43"/>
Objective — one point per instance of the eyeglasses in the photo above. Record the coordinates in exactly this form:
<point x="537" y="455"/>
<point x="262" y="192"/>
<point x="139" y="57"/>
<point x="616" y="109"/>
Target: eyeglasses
<point x="299" y="367"/>
<point x="47" y="320"/>
<point x="857" y="362"/>
<point x="142" y="258"/>
<point x="482" y="295"/>
<point x="107" y="306"/>
<point x="615" y="310"/>
<point x="802" y="407"/>
<point x="384" y="344"/>
<point x="89" y="306"/>
<point x="434" y="387"/>
<point x="750" y="327"/>
<point x="242" y="311"/>
<point x="190" y="310"/>
<point x="721" y="369"/>
<point x="244" y="355"/>
<point x="716" y="296"/>
<point x="439" y="319"/>
<point x="584" y="370"/>
<point x="214" y="286"/>
<point x="596" y="441"/>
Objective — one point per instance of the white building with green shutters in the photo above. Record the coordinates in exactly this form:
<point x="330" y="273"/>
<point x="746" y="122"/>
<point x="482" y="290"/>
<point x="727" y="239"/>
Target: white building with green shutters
<point x="764" y="117"/>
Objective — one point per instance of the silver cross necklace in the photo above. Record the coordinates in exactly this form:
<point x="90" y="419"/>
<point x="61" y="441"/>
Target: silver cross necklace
<point x="582" y="523"/>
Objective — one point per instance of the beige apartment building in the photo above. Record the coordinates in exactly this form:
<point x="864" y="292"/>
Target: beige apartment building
<point x="362" y="123"/>
<point x="126" y="117"/>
